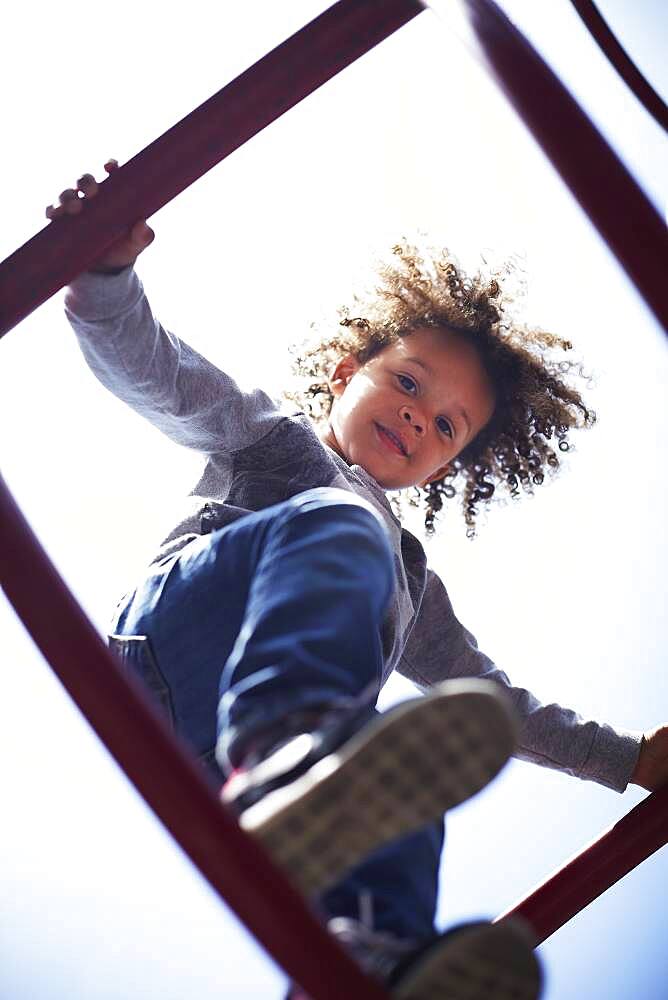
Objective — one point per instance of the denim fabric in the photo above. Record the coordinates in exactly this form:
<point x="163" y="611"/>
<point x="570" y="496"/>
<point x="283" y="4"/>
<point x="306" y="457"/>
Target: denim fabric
<point x="277" y="612"/>
<point x="401" y="881"/>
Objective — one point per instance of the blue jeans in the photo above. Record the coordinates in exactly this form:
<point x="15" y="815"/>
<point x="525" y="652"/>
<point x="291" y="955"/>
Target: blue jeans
<point x="275" y="613"/>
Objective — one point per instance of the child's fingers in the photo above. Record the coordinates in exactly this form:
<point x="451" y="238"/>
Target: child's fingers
<point x="70" y="202"/>
<point x="88" y="185"/>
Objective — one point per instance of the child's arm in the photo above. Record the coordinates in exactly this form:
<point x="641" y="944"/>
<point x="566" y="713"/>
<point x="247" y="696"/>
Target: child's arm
<point x="440" y="648"/>
<point x="150" y="369"/>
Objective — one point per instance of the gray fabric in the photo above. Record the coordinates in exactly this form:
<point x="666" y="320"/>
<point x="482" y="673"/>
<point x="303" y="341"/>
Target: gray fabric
<point x="257" y="455"/>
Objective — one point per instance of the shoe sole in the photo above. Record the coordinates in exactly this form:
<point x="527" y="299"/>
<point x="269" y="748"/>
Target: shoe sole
<point x="402" y="771"/>
<point x="484" y="962"/>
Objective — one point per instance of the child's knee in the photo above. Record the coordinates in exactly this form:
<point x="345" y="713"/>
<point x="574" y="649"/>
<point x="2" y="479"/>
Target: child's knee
<point x="346" y="519"/>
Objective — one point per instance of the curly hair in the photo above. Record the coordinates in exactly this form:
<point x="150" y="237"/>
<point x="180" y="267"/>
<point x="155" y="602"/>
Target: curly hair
<point x="534" y="402"/>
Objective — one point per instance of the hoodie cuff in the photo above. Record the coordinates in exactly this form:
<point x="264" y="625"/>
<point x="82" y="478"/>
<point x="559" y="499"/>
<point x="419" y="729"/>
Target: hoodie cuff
<point x="91" y="297"/>
<point x="613" y="757"/>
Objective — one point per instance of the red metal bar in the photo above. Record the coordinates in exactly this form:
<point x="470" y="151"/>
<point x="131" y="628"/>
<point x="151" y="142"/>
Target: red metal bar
<point x="639" y="834"/>
<point x="257" y="97"/>
<point x="607" y="41"/>
<point x="166" y="775"/>
<point x="237" y="867"/>
<point x="616" y="205"/>
<point x="163" y="773"/>
<point x="624" y="216"/>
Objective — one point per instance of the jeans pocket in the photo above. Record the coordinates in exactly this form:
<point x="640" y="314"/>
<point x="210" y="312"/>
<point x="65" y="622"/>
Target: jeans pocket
<point x="137" y="657"/>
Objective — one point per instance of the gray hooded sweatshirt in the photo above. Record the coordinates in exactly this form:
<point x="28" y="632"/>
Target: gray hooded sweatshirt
<point x="256" y="456"/>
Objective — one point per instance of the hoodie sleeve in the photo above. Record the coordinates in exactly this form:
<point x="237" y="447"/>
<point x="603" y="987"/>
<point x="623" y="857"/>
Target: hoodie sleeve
<point x="440" y="648"/>
<point x="156" y="373"/>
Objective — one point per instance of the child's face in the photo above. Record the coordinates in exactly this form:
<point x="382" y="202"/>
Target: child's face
<point x="408" y="412"/>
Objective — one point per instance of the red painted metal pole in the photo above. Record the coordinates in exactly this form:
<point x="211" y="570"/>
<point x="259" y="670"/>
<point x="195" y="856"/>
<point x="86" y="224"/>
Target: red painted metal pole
<point x="638" y="835"/>
<point x="278" y="81"/>
<point x="622" y="213"/>
<point x="606" y="40"/>
<point x="166" y="775"/>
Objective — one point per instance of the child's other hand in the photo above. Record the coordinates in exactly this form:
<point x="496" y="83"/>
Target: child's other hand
<point x="651" y="771"/>
<point x="120" y="254"/>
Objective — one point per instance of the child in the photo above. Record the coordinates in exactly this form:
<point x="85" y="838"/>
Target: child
<point x="275" y="611"/>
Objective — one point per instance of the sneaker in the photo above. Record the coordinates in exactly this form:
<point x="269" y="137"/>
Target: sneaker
<point x="476" y="961"/>
<point x="326" y="799"/>
<point x="479" y="961"/>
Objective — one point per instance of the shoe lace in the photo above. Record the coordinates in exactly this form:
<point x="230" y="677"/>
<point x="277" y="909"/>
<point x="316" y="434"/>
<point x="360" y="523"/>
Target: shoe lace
<point x="377" y="952"/>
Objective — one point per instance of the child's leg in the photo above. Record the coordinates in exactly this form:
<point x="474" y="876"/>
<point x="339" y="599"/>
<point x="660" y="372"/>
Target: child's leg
<point x="277" y="613"/>
<point x="320" y="581"/>
<point x="284" y="608"/>
<point x="383" y="914"/>
<point x="395" y="889"/>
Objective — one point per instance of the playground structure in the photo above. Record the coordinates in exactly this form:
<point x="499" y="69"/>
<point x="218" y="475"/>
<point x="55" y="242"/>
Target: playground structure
<point x="163" y="772"/>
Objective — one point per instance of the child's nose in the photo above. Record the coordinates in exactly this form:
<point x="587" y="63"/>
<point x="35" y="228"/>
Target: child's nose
<point x="412" y="418"/>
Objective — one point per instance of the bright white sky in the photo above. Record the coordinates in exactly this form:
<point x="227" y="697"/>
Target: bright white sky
<point x="565" y="590"/>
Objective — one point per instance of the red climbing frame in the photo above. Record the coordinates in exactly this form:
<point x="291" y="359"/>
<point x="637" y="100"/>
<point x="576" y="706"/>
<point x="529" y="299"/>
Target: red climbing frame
<point x="154" y="761"/>
<point x="165" y="774"/>
<point x="598" y="28"/>
<point x="617" y="852"/>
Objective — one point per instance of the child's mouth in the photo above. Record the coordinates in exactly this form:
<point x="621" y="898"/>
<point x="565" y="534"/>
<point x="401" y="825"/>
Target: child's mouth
<point x="390" y="440"/>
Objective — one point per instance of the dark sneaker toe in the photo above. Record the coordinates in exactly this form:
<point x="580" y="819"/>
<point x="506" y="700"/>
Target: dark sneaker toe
<point x="474" y="962"/>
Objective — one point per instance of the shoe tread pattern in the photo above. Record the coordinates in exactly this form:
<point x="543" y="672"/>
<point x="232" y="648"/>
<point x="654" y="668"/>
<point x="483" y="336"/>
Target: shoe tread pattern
<point x="488" y="962"/>
<point x="401" y="772"/>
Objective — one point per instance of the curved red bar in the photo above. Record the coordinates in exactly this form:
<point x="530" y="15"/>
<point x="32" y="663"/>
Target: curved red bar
<point x="622" y="213"/>
<point x="166" y="775"/>
<point x="262" y="93"/>
<point x="622" y="848"/>
<point x="607" y="41"/>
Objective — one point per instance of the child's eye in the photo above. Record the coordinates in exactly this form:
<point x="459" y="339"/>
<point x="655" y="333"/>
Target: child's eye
<point x="444" y="426"/>
<point x="407" y="382"/>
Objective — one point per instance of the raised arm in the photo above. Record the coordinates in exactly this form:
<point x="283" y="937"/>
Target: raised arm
<point x="147" y="367"/>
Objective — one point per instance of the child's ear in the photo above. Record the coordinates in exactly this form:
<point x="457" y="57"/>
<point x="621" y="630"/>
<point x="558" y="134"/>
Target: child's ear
<point x="342" y="374"/>
<point x="434" y="476"/>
